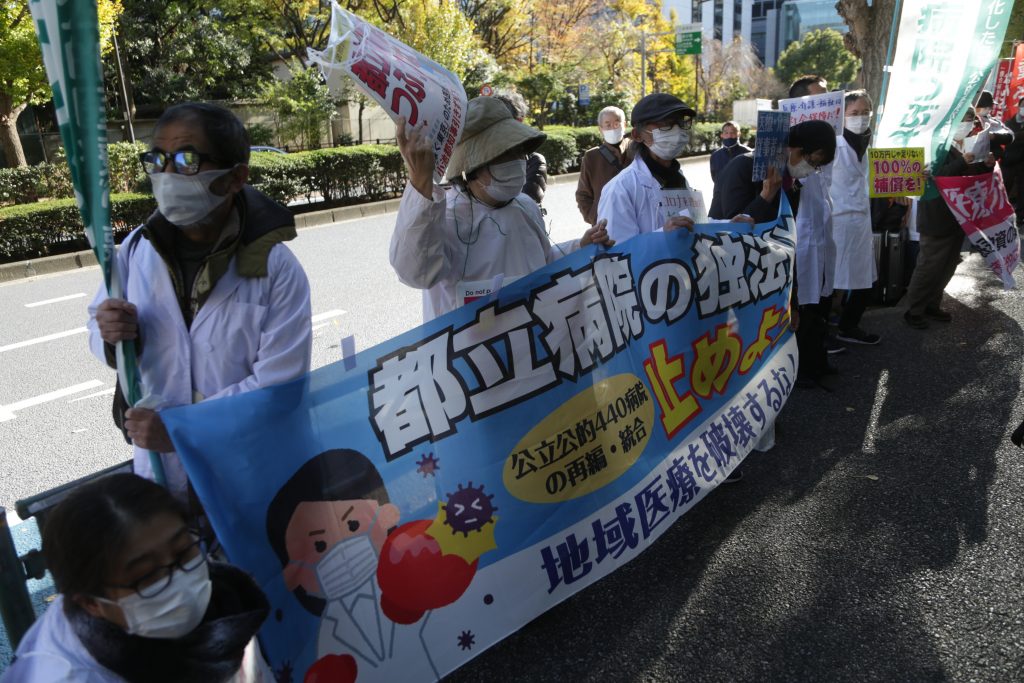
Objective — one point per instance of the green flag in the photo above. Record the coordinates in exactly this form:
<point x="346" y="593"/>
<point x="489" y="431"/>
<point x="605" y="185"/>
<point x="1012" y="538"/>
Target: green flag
<point x="70" y="41"/>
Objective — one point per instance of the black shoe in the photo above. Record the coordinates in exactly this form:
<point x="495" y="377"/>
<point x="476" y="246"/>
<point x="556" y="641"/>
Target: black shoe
<point x="936" y="313"/>
<point x="858" y="336"/>
<point x="918" y="322"/>
<point x="832" y="347"/>
<point x="735" y="476"/>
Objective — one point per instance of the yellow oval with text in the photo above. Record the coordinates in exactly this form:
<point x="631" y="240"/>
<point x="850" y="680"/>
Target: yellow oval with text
<point x="587" y="443"/>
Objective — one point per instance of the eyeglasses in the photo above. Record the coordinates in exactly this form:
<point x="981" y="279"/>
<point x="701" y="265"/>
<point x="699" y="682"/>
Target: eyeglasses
<point x="685" y="124"/>
<point x="156" y="582"/>
<point x="186" y="161"/>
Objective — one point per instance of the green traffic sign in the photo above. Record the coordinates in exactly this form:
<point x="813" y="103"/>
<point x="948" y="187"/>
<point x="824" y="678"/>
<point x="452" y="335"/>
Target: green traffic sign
<point x="688" y="43"/>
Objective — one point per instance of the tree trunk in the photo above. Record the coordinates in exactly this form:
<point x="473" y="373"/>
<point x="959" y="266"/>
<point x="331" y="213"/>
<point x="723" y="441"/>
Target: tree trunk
<point x="869" y="38"/>
<point x="9" y="113"/>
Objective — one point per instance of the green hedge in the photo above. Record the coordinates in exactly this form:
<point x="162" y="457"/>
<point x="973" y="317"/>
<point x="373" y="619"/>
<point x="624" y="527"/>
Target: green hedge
<point x="55" y="226"/>
<point x="339" y="174"/>
<point x="28" y="184"/>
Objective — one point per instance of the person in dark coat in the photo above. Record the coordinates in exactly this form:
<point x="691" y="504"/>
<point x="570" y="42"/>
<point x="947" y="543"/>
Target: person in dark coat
<point x="941" y="236"/>
<point x="602" y="163"/>
<point x="1012" y="163"/>
<point x="730" y="149"/>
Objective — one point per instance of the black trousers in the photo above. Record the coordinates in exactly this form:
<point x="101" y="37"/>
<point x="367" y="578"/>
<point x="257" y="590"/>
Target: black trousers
<point x="810" y="339"/>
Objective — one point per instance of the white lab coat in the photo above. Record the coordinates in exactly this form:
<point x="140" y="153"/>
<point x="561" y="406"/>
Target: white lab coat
<point x="250" y="333"/>
<point x="386" y="651"/>
<point x="631" y="202"/>
<point x="851" y="219"/>
<point x="451" y="239"/>
<point x="51" y="652"/>
<point x="815" y="248"/>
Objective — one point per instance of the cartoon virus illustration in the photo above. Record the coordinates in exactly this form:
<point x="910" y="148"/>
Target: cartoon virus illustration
<point x="428" y="465"/>
<point x="467" y="640"/>
<point x="468" y="509"/>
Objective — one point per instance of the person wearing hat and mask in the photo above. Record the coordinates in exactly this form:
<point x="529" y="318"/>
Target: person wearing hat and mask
<point x="989" y="133"/>
<point x="941" y="234"/>
<point x="461" y="243"/>
<point x="631" y="201"/>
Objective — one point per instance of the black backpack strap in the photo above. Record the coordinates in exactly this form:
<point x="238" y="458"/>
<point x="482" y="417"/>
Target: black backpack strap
<point x="609" y="157"/>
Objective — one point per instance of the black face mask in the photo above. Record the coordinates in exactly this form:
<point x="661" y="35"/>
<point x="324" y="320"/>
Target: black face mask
<point x="729" y="142"/>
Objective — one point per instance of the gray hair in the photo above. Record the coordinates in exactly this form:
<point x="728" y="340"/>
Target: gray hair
<point x="612" y="110"/>
<point x="516" y="104"/>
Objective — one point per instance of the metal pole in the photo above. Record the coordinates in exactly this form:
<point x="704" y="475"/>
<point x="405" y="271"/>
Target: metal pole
<point x="15" y="605"/>
<point x="124" y="91"/>
<point x="643" y="63"/>
<point x="696" y="81"/>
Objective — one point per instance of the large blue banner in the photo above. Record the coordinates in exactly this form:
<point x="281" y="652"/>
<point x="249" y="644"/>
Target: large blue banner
<point x="410" y="507"/>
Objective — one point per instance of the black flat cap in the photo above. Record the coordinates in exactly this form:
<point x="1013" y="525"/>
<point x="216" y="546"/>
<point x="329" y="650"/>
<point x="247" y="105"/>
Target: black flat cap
<point x="659" y="106"/>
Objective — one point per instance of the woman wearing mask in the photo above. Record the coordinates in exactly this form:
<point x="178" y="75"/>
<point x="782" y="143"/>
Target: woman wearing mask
<point x="139" y="600"/>
<point x="855" y="267"/>
<point x="941" y="234"/>
<point x="461" y="243"/>
<point x="631" y="201"/>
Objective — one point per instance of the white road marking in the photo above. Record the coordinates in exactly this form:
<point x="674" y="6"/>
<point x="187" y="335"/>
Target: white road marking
<point x="881" y="391"/>
<point x="105" y="392"/>
<point x="40" y="340"/>
<point x="327" y="315"/>
<point x="69" y="297"/>
<point x="7" y="411"/>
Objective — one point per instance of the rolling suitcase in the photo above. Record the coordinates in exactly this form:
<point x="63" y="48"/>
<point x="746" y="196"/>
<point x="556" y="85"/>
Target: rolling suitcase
<point x="890" y="254"/>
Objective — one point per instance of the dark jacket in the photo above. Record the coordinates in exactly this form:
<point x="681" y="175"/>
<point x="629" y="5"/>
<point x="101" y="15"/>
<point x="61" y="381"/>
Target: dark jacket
<point x="721" y="157"/>
<point x="736" y="193"/>
<point x="933" y="215"/>
<point x="536" y="177"/>
<point x="1012" y="163"/>
<point x="595" y="172"/>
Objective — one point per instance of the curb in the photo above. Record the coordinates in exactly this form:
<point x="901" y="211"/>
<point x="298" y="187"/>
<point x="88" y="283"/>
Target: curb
<point x="21" y="270"/>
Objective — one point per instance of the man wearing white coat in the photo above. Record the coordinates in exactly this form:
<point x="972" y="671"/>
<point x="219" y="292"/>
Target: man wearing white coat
<point x="215" y="302"/>
<point x="855" y="268"/>
<point x="461" y="243"/>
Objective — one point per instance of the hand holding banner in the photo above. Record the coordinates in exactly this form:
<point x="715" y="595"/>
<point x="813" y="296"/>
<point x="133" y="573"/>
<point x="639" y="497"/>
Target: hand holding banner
<point x="401" y="80"/>
<point x="770" y="143"/>
<point x="828" y="107"/>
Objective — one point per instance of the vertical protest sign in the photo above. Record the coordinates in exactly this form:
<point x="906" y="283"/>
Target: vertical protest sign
<point x="1001" y="92"/>
<point x="983" y="210"/>
<point x="1015" y="90"/>
<point x="69" y="38"/>
<point x="770" y="144"/>
<point x="945" y="50"/>
<point x="402" y="81"/>
<point x="828" y="107"/>
<point x="896" y="172"/>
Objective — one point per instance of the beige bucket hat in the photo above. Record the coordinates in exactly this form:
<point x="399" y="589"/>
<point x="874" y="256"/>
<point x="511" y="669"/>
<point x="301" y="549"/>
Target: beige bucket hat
<point x="490" y="131"/>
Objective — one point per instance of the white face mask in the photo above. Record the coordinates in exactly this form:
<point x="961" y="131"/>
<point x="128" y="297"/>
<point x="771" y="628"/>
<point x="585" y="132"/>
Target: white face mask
<point x="507" y="180"/>
<point x="175" y="611"/>
<point x="186" y="199"/>
<point x="669" y="144"/>
<point x="346" y="566"/>
<point x="1020" y="117"/>
<point x="801" y="170"/>
<point x="614" y="136"/>
<point x="857" y="124"/>
<point x="962" y="129"/>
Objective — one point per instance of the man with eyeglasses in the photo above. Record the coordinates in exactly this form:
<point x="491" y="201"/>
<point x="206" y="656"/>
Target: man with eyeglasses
<point x="214" y="300"/>
<point x="631" y="201"/>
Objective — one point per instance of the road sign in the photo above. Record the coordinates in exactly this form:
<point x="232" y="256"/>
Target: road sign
<point x="584" y="94"/>
<point x="688" y="39"/>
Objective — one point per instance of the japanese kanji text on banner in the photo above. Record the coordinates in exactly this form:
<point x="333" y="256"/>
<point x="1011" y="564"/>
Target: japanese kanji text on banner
<point x="896" y="172"/>
<point x="402" y="81"/>
<point x="828" y="107"/>
<point x="407" y="512"/>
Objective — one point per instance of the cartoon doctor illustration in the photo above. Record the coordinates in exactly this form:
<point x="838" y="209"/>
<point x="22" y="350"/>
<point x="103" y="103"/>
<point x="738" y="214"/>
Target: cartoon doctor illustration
<point x="327" y="525"/>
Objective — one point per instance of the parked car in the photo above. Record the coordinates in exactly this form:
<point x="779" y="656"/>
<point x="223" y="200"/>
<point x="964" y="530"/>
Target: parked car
<point x="266" y="148"/>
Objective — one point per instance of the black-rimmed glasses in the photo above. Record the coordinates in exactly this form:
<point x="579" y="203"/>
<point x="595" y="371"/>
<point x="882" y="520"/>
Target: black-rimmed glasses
<point x="186" y="161"/>
<point x="157" y="581"/>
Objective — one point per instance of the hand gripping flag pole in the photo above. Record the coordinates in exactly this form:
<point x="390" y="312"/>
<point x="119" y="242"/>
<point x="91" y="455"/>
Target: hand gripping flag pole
<point x="69" y="38"/>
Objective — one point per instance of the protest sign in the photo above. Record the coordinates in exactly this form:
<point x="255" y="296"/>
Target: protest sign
<point x="402" y="81"/>
<point x="896" y="172"/>
<point x="944" y="52"/>
<point x="1016" y="89"/>
<point x="1001" y="92"/>
<point x="407" y="511"/>
<point x="828" y="107"/>
<point x="983" y="210"/>
<point x="69" y="39"/>
<point x="680" y="202"/>
<point x="770" y="143"/>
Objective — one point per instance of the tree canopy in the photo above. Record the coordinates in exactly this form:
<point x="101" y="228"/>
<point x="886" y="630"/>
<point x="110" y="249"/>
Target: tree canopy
<point x="820" y="52"/>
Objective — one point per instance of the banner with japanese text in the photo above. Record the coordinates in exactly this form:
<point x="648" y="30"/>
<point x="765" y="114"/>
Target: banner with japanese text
<point x="770" y="143"/>
<point x="1001" y="90"/>
<point x="411" y="506"/>
<point x="1016" y="88"/>
<point x="828" y="107"/>
<point x="401" y="80"/>
<point x="945" y="50"/>
<point x="980" y="204"/>
<point x="896" y="172"/>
